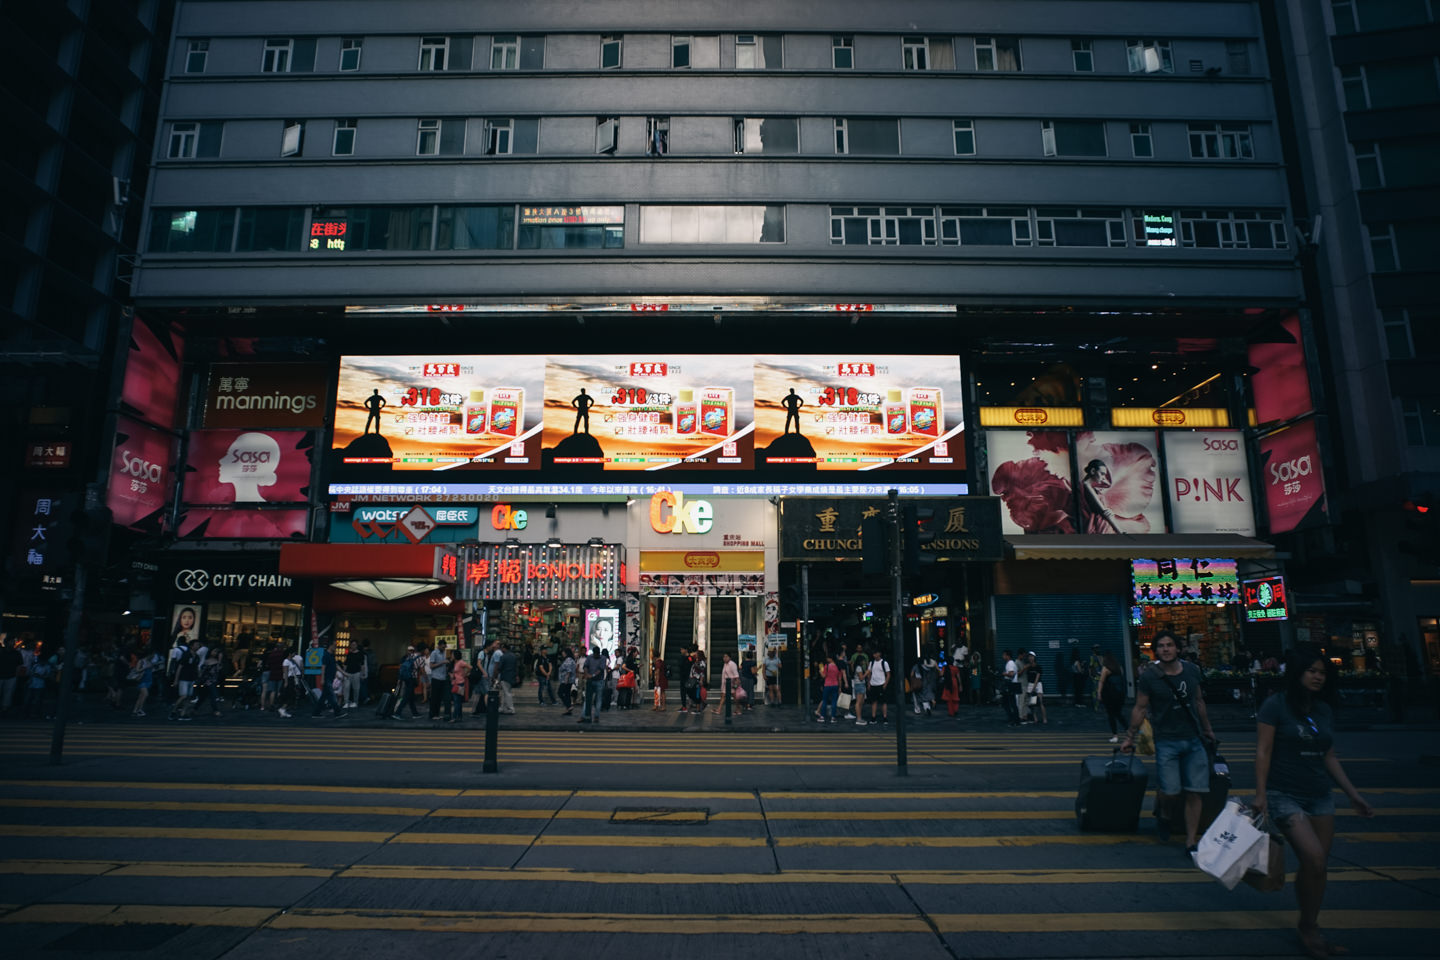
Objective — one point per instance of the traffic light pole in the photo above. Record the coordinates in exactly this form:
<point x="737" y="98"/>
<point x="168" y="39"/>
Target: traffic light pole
<point x="897" y="626"/>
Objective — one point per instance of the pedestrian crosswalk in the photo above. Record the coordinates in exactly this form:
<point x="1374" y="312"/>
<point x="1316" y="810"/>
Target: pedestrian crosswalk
<point x="577" y="748"/>
<point x="929" y="872"/>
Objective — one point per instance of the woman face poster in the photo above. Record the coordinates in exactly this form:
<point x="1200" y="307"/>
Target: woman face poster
<point x="1030" y="473"/>
<point x="1117" y="472"/>
<point x="602" y="627"/>
<point x="185" y="622"/>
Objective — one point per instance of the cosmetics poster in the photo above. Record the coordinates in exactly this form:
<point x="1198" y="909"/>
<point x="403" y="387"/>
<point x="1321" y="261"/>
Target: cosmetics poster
<point x="1118" y="472"/>
<point x="1030" y="473"/>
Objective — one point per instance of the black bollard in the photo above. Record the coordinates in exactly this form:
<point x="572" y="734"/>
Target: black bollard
<point x="492" y="732"/>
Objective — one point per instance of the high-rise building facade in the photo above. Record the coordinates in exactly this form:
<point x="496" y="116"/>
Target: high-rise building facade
<point x="80" y="89"/>
<point x="1041" y="250"/>
<point x="1364" y="81"/>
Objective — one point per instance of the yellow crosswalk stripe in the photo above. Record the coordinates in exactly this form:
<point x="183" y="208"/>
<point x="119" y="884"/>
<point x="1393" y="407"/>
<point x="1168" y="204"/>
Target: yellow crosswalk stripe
<point x="733" y="925"/>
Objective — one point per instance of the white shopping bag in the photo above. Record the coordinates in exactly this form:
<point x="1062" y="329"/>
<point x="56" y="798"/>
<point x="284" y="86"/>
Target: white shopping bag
<point x="1232" y="845"/>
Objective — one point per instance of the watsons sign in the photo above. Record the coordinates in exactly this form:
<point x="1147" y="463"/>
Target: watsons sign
<point x="410" y="523"/>
<point x="1209" y="482"/>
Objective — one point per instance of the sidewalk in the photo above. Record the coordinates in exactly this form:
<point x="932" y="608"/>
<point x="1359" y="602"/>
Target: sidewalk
<point x="1062" y="716"/>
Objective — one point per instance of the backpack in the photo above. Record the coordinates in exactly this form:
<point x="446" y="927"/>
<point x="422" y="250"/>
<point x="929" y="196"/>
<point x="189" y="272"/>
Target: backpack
<point x="407" y="668"/>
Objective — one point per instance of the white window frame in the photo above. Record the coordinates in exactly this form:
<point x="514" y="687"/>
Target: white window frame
<point x="499" y="136"/>
<point x="840" y="42"/>
<point x="1395" y="323"/>
<point x="292" y="139"/>
<point x="1238" y="51"/>
<point x="347" y="44"/>
<point x="749" y="43"/>
<point x="1382" y="237"/>
<point x="194" y="48"/>
<point x="1047" y="138"/>
<point x="1370" y="155"/>
<point x="607" y="135"/>
<point x="677" y="42"/>
<point x="617" y="41"/>
<point x="1149" y="56"/>
<point x="958" y="127"/>
<point x="183" y="141"/>
<point x="915" y="53"/>
<point x="427" y="127"/>
<point x="842" y="136"/>
<point x="1085" y="48"/>
<point x="1141" y="132"/>
<point x="277" y="55"/>
<point x="657" y="136"/>
<point x="991" y="45"/>
<point x="1221" y="141"/>
<point x="505" y="51"/>
<point x="1354" y="78"/>
<point x="1050" y="149"/>
<point x="343" y="125"/>
<point x="434" y="54"/>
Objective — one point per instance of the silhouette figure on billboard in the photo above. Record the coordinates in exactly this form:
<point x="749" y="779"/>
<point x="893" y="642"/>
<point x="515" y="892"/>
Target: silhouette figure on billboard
<point x="373" y="403"/>
<point x="582" y="405"/>
<point x="792" y="404"/>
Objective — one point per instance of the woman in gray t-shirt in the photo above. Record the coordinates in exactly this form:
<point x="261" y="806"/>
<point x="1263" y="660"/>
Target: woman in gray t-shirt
<point x="1295" y="764"/>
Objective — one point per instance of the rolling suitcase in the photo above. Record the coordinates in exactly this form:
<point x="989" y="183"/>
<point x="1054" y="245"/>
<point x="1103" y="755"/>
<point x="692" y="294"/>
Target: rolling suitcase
<point x="1112" y="791"/>
<point x="1214" y="801"/>
<point x="387" y="704"/>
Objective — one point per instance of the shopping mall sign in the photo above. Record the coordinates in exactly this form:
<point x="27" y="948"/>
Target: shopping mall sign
<point x="502" y="571"/>
<point x="830" y="528"/>
<point x="1184" y="580"/>
<point x="1265" y="599"/>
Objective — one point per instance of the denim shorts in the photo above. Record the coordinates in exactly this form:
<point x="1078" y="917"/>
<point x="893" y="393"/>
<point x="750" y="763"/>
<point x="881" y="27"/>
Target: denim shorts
<point x="1282" y="806"/>
<point x="1182" y="765"/>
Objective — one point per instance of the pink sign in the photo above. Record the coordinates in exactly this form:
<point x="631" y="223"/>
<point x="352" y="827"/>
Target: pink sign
<point x="141" y="468"/>
<point x="152" y="373"/>
<point x="1280" y="383"/>
<point x="1291" y="475"/>
<point x="207" y="522"/>
<point x="247" y="466"/>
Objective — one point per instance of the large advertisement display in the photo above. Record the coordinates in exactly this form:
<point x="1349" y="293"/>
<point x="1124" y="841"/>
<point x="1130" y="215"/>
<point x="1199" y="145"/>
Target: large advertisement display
<point x="141" y="468"/>
<point x="648" y="413"/>
<point x="1281" y="383"/>
<point x="151" y="388"/>
<point x="1030" y="473"/>
<point x="247" y="466"/>
<point x="197" y="523"/>
<point x="1209" y="479"/>
<point x="1292" y="477"/>
<point x="439" y="412"/>
<point x="1118" y="470"/>
<point x="860" y="413"/>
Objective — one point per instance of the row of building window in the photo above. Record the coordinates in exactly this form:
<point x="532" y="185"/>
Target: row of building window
<point x="497" y="227"/>
<point x="770" y="136"/>
<point x="1409" y="82"/>
<point x="750" y="51"/>
<point x="1012" y="226"/>
<point x="1352" y="16"/>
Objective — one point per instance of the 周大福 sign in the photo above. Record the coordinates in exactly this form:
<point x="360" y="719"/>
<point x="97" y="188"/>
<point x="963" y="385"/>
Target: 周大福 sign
<point x="829" y="528"/>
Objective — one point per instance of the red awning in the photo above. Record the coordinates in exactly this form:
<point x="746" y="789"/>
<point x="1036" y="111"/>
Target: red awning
<point x="348" y="561"/>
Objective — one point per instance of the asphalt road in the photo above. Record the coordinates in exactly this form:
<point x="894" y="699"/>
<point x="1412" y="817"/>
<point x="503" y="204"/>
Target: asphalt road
<point x="193" y="841"/>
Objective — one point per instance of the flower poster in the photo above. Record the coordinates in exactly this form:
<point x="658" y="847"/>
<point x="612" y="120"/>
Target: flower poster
<point x="1030" y="473"/>
<point x="1117" y="475"/>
